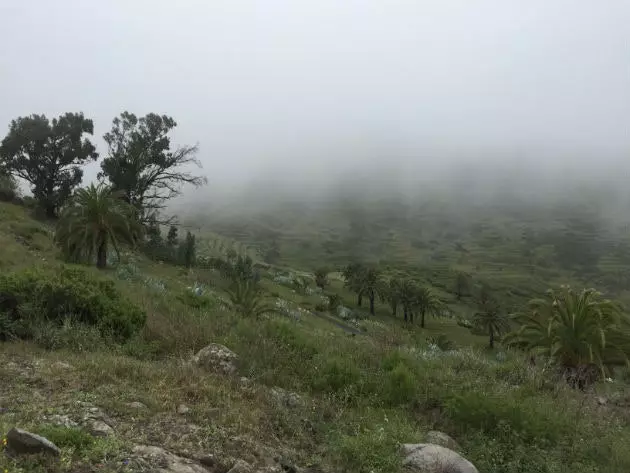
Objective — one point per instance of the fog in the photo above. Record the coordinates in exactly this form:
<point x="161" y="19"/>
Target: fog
<point x="305" y="95"/>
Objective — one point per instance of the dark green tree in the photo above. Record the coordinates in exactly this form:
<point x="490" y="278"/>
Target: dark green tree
<point x="48" y="155"/>
<point x="427" y="302"/>
<point x="321" y="278"/>
<point x="188" y="250"/>
<point x="462" y="285"/>
<point x="371" y="285"/>
<point x="142" y="165"/>
<point x="172" y="237"/>
<point x="353" y="275"/>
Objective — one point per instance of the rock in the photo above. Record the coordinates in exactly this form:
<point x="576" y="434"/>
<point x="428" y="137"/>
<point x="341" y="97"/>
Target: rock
<point x="602" y="401"/>
<point x="183" y="409"/>
<point x="436" y="437"/>
<point x="216" y="358"/>
<point x="286" y="398"/>
<point x="22" y="442"/>
<point x="429" y="458"/>
<point x="97" y="422"/>
<point x="166" y="461"/>
<point x="241" y="467"/>
<point x="136" y="405"/>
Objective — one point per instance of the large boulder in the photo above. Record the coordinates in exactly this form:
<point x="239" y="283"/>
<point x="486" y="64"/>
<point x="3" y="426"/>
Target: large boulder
<point x="21" y="442"/>
<point x="216" y="358"/>
<point x="429" y="458"/>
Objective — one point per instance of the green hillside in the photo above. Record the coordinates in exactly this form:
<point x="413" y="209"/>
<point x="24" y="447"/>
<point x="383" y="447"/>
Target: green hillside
<point x="351" y="391"/>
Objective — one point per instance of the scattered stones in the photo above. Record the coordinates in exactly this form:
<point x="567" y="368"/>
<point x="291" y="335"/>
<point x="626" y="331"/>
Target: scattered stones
<point x="22" y="442"/>
<point x="61" y="420"/>
<point x="286" y="398"/>
<point x="183" y="409"/>
<point x="167" y="462"/>
<point x="436" y="437"/>
<point x="429" y="458"/>
<point x="216" y="358"/>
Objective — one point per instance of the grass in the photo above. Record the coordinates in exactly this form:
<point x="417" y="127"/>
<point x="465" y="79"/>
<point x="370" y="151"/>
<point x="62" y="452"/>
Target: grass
<point x="363" y="395"/>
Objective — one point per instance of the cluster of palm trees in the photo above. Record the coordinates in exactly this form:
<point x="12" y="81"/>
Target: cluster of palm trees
<point x="399" y="293"/>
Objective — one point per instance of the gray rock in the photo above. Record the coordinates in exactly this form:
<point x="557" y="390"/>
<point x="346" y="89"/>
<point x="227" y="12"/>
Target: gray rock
<point x="241" y="467"/>
<point x="183" y="409"/>
<point x="167" y="462"/>
<point x="22" y="442"/>
<point x="429" y="458"/>
<point x="286" y="398"/>
<point x="436" y="437"/>
<point x="602" y="401"/>
<point x="97" y="422"/>
<point x="136" y="405"/>
<point x="216" y="358"/>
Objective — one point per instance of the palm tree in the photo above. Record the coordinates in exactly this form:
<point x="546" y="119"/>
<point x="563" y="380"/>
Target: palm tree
<point x="353" y="274"/>
<point x="390" y="293"/>
<point x="371" y="285"/>
<point x="491" y="319"/>
<point x="427" y="303"/>
<point x="576" y="329"/>
<point x="247" y="299"/>
<point x="96" y="218"/>
<point x="462" y="284"/>
<point x="407" y="291"/>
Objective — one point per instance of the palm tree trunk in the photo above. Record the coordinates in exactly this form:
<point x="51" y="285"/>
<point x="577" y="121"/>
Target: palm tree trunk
<point x="372" y="304"/>
<point x="411" y="316"/>
<point x="422" y="313"/>
<point x="359" y="299"/>
<point x="101" y="255"/>
<point x="405" y="312"/>
<point x="491" y="338"/>
<point x="394" y="309"/>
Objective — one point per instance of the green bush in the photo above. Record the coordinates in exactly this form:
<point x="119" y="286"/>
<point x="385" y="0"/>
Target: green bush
<point x="70" y="293"/>
<point x="400" y="386"/>
<point x="190" y="299"/>
<point x="9" y="190"/>
<point x="336" y="374"/>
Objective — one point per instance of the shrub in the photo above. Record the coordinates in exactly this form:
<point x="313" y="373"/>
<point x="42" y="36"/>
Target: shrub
<point x="54" y="296"/>
<point x="336" y="374"/>
<point x="400" y="386"/>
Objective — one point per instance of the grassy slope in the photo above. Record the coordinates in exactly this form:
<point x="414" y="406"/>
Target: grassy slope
<point x="363" y="395"/>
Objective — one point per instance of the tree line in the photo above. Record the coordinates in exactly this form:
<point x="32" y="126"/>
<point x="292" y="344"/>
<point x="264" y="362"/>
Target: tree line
<point x="140" y="172"/>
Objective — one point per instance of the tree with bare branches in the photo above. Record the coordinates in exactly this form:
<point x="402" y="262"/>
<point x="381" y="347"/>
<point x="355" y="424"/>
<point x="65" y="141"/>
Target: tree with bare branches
<point x="142" y="165"/>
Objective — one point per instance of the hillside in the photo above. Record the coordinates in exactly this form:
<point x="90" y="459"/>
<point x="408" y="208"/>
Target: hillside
<point x="307" y="393"/>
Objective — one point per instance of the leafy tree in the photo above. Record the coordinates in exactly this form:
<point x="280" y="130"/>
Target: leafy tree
<point x="334" y="301"/>
<point x="247" y="299"/>
<point x="142" y="164"/>
<point x="48" y="155"/>
<point x="576" y="329"/>
<point x="9" y="189"/>
<point x="490" y="319"/>
<point x="427" y="302"/>
<point x="188" y="250"/>
<point x="462" y="285"/>
<point x="321" y="278"/>
<point x="272" y="255"/>
<point x="172" y="237"/>
<point x="96" y="218"/>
